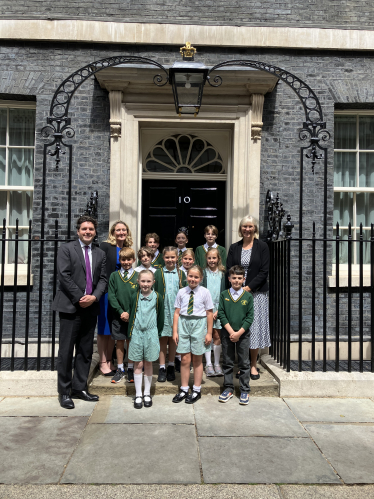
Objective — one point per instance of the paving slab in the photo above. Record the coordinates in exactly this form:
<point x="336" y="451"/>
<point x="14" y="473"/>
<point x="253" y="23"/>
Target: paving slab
<point x="327" y="492"/>
<point x="152" y="455"/>
<point x="263" y="416"/>
<point x="120" y="409"/>
<point x="35" y="450"/>
<point x="349" y="449"/>
<point x="1" y="399"/>
<point x="231" y="491"/>
<point x="263" y="460"/>
<point x="43" y="406"/>
<point x="332" y="410"/>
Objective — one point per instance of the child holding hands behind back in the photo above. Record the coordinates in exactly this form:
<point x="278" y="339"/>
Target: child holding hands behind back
<point x="192" y="332"/>
<point x="235" y="312"/>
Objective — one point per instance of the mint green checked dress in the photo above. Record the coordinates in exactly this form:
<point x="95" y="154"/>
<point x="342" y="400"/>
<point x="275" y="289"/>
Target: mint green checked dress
<point x="171" y="291"/>
<point x="213" y="284"/>
<point x="145" y="343"/>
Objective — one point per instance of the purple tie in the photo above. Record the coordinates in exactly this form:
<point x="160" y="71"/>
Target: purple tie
<point x="88" y="273"/>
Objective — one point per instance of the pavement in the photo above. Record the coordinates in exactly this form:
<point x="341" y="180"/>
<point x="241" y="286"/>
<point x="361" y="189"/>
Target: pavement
<point x="274" y="447"/>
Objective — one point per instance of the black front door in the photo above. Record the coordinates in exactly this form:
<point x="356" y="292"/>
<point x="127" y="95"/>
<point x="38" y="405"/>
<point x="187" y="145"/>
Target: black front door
<point x="168" y="205"/>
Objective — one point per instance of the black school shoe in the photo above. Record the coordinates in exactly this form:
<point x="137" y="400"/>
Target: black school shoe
<point x="170" y="373"/>
<point x="177" y="364"/>
<point x="161" y="375"/>
<point x="138" y="402"/>
<point x="193" y="397"/>
<point x="147" y="401"/>
<point x="179" y="397"/>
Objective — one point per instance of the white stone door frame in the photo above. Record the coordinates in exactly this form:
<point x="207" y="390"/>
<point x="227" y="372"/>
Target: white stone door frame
<point x="243" y="178"/>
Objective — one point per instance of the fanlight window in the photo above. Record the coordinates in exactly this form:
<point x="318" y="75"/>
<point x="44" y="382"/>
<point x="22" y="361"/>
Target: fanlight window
<point x="184" y="154"/>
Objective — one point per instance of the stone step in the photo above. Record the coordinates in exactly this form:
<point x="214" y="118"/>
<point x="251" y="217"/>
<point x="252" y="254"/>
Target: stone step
<point x="266" y="386"/>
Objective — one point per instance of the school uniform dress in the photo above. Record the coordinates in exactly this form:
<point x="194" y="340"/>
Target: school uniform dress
<point x="192" y="328"/>
<point x="201" y="251"/>
<point x="256" y="266"/>
<point x="112" y="264"/>
<point x="236" y="308"/>
<point x="122" y="287"/>
<point x="167" y="284"/>
<point x="146" y="324"/>
<point x="180" y="256"/>
<point x="215" y="283"/>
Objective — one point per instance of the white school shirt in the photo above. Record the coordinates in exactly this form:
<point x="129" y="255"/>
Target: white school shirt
<point x="89" y="257"/>
<point x="141" y="267"/>
<point x="236" y="294"/>
<point x="155" y="255"/>
<point x="129" y="272"/>
<point x="184" y="270"/>
<point x="207" y="247"/>
<point x="202" y="301"/>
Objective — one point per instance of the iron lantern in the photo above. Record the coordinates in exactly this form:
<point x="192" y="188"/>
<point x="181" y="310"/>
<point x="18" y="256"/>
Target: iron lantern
<point x="187" y="79"/>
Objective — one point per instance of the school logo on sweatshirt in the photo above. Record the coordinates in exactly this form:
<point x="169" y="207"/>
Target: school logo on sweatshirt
<point x="244" y="302"/>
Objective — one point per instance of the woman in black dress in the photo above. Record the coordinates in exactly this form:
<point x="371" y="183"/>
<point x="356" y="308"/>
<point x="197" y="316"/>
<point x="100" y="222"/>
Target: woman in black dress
<point x="253" y="255"/>
<point x="119" y="237"/>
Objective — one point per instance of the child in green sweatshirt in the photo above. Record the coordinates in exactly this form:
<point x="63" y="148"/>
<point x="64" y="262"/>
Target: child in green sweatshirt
<point x="235" y="312"/>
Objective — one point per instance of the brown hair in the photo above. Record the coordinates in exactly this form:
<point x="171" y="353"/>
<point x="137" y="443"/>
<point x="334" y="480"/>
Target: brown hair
<point x="126" y="253"/>
<point x="152" y="235"/>
<point x="146" y="250"/>
<point x="237" y="270"/>
<point x="189" y="251"/>
<point x="111" y="239"/>
<point x="198" y="268"/>
<point x="85" y="218"/>
<point x="212" y="228"/>
<point x="170" y="248"/>
<point x="220" y="266"/>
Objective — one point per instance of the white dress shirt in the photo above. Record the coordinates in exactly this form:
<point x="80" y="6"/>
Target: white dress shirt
<point x="83" y="246"/>
<point x="206" y="247"/>
<point x="202" y="301"/>
<point x="141" y="267"/>
<point x="236" y="294"/>
<point x="129" y="272"/>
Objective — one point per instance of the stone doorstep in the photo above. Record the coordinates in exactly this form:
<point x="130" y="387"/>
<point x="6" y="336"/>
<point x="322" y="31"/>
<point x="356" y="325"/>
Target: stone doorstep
<point x="320" y="384"/>
<point x="266" y="386"/>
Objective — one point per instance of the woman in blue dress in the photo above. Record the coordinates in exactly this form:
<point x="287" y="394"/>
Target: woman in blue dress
<point x="119" y="237"/>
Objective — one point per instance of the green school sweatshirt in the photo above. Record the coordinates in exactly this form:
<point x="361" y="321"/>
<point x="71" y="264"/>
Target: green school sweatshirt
<point x="239" y="313"/>
<point x="200" y="255"/>
<point x="120" y="291"/>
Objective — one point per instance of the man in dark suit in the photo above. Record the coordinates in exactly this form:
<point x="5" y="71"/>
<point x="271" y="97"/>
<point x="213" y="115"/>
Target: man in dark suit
<point x="82" y="278"/>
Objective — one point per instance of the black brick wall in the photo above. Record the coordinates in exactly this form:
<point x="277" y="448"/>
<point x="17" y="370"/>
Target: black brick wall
<point x="36" y="69"/>
<point x="350" y="14"/>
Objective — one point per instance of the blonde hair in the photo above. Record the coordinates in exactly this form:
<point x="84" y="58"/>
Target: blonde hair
<point x="126" y="253"/>
<point x="112" y="239"/>
<point x="146" y="271"/>
<point x="171" y="249"/>
<point x="219" y="263"/>
<point x="198" y="268"/>
<point x="189" y="251"/>
<point x="251" y="220"/>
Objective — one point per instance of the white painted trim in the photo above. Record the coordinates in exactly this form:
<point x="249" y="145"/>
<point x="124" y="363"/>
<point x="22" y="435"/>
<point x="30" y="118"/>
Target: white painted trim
<point x="177" y="34"/>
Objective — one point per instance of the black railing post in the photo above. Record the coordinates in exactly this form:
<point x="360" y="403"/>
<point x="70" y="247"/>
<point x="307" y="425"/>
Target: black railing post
<point x="15" y="284"/>
<point x="314" y="298"/>
<point x="271" y="297"/>
<point x="361" y="332"/>
<point x="337" y="316"/>
<point x="28" y="289"/>
<point x="53" y="346"/>
<point x="3" y="237"/>
<point x="371" y="296"/>
<point x="349" y="297"/>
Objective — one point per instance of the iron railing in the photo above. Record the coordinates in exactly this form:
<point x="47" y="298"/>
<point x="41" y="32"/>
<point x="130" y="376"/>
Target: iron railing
<point x="316" y="317"/>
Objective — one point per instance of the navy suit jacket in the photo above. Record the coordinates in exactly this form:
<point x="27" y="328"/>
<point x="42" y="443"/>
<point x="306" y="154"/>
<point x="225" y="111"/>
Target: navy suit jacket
<point x="71" y="273"/>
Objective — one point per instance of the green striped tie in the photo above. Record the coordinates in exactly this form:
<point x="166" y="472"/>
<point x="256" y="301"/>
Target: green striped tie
<point x="190" y="304"/>
<point x="125" y="274"/>
<point x="180" y="258"/>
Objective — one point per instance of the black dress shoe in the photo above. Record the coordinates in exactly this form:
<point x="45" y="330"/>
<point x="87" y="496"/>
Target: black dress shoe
<point x="84" y="395"/>
<point x="138" y="402"/>
<point x="255" y="376"/>
<point x="161" y="375"/>
<point x="147" y="401"/>
<point x="170" y="373"/>
<point x="179" y="397"/>
<point x="66" y="402"/>
<point x="193" y="397"/>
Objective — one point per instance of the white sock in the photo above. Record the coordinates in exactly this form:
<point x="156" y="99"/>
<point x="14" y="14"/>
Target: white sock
<point x="179" y="357"/>
<point x="162" y="366"/>
<point x="185" y="388"/>
<point x="208" y="357"/>
<point x="120" y="366"/>
<point x="171" y="364"/>
<point x="197" y="388"/>
<point x="217" y="353"/>
<point x="130" y="365"/>
<point x="138" y="381"/>
<point x="147" y="385"/>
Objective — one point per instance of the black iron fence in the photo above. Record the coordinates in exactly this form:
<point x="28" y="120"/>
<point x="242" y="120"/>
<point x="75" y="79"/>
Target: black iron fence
<point x="322" y="315"/>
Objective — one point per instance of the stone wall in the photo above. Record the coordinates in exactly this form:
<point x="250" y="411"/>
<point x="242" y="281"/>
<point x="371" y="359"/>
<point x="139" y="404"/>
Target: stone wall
<point x="36" y="69"/>
<point x="350" y="14"/>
